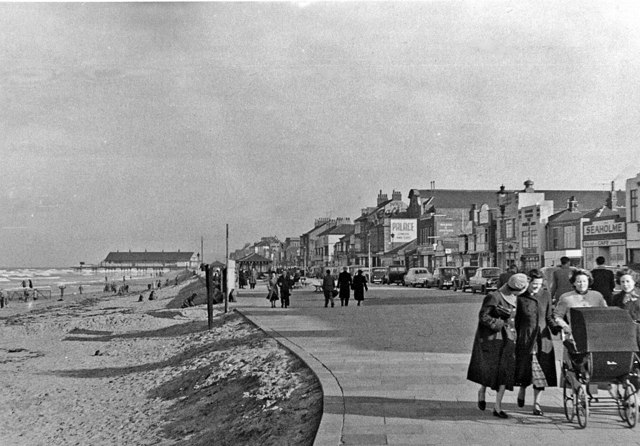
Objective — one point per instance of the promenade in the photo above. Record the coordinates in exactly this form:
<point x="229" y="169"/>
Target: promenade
<point x="393" y="372"/>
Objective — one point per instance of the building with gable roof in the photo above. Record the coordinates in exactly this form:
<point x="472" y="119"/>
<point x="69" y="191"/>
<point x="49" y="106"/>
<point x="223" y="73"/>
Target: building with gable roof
<point x="325" y="255"/>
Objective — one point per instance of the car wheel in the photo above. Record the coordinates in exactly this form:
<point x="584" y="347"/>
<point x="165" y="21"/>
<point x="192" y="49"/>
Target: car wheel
<point x="484" y="289"/>
<point x="440" y="285"/>
<point x="473" y="290"/>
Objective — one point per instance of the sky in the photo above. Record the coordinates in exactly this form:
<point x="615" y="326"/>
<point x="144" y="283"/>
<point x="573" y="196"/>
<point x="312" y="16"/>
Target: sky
<point x="133" y="126"/>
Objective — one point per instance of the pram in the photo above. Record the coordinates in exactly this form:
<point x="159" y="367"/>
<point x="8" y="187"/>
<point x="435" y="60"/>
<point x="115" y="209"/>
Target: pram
<point x="603" y="350"/>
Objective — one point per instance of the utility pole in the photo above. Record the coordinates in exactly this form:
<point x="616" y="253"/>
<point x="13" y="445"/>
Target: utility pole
<point x="226" y="290"/>
<point x="201" y="249"/>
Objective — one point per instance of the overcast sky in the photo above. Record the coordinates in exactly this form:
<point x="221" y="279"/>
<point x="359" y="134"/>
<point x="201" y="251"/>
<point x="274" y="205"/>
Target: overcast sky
<point x="148" y="125"/>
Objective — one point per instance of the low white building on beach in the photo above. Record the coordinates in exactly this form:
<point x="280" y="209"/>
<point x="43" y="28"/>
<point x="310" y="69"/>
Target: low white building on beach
<point x="149" y="259"/>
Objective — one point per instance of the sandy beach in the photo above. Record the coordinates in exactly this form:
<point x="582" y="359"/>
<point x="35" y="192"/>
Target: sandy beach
<point x="103" y="369"/>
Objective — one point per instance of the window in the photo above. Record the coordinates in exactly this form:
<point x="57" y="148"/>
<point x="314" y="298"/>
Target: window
<point x="633" y="196"/>
<point x="556" y="237"/>
<point x="525" y="239"/>
<point x="509" y="232"/>
<point x="534" y="238"/>
<point x="570" y="237"/>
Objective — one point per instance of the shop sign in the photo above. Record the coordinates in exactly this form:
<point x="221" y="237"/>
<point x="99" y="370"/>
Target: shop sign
<point x="604" y="227"/>
<point x="592" y="243"/>
<point x="403" y="230"/>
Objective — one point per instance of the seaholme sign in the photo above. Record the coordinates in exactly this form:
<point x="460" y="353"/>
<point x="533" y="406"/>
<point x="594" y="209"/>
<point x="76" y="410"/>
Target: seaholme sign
<point x="604" y="227"/>
<point x="610" y="232"/>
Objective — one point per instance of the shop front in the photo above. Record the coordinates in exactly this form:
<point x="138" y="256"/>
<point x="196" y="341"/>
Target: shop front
<point x="606" y="237"/>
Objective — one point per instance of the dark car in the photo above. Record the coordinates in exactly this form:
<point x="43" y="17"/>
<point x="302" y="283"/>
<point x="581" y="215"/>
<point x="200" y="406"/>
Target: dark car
<point x="444" y="276"/>
<point x="378" y="274"/>
<point x="395" y="274"/>
<point x="485" y="279"/>
<point x="462" y="280"/>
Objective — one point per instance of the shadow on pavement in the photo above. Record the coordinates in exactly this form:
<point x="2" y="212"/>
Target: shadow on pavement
<point x="436" y="410"/>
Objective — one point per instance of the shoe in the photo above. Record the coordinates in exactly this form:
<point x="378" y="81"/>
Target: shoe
<point x="500" y="414"/>
<point x="537" y="411"/>
<point x="520" y="402"/>
<point x="482" y="405"/>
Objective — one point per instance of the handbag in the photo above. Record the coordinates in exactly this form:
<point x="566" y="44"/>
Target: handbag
<point x="334" y="292"/>
<point x="503" y="312"/>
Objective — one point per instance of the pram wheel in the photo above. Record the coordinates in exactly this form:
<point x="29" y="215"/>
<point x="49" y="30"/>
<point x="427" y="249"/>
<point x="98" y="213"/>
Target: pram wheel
<point x="582" y="406"/>
<point x="568" y="397"/>
<point x="630" y="404"/>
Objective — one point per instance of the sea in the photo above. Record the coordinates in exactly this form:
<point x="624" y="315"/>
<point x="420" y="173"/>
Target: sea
<point x="69" y="277"/>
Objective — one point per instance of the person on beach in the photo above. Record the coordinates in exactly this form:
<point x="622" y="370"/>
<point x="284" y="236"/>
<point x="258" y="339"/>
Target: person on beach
<point x="61" y="287"/>
<point x="535" y="358"/>
<point x="328" y="285"/>
<point x="344" y="285"/>
<point x="2" y="299"/>
<point x="359" y="287"/>
<point x="285" y="283"/>
<point x="152" y="295"/>
<point x="493" y="356"/>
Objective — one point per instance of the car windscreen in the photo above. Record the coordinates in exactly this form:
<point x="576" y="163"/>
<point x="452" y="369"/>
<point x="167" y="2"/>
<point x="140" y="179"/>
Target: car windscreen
<point x="490" y="272"/>
<point x="449" y="271"/>
<point x="396" y="269"/>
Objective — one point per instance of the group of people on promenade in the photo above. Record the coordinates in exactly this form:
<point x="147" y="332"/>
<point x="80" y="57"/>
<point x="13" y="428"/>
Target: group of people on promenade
<point x="342" y="287"/>
<point x="513" y="344"/>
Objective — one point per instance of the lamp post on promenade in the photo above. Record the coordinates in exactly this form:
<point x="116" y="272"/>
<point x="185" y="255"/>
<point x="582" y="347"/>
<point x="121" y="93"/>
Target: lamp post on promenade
<point x="502" y="203"/>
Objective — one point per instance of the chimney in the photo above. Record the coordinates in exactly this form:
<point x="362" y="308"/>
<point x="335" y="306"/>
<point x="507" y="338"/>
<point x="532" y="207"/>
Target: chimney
<point x="528" y="187"/>
<point x="473" y="213"/>
<point x="396" y="195"/>
<point x="382" y="198"/>
<point x="572" y="204"/>
<point x="613" y="198"/>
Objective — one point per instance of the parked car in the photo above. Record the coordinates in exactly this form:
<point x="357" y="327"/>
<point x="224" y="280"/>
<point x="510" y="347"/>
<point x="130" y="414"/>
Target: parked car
<point x="378" y="274"/>
<point x="444" y="276"/>
<point x="418" y="277"/>
<point x="485" y="279"/>
<point x="462" y="279"/>
<point x="395" y="274"/>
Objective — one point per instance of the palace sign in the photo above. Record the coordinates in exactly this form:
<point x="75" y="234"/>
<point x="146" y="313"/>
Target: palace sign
<point x="403" y="230"/>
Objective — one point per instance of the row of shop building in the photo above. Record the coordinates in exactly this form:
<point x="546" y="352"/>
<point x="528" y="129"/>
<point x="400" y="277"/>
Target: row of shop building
<point x="449" y="227"/>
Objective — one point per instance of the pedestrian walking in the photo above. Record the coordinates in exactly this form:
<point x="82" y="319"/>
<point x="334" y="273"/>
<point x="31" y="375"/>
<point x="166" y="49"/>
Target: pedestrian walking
<point x="580" y="296"/>
<point x="272" y="286"/>
<point x="285" y="283"/>
<point x="61" y="287"/>
<point x="504" y="277"/>
<point x="253" y="278"/>
<point x="359" y="287"/>
<point x="242" y="281"/>
<point x="344" y="285"/>
<point x="535" y="358"/>
<point x="328" y="286"/>
<point x="493" y="356"/>
<point x="604" y="280"/>
<point x="562" y="279"/>
<point x="2" y="299"/>
<point x="628" y="298"/>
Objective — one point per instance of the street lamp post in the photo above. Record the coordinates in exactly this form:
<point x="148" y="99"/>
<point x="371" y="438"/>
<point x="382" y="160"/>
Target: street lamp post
<point x="502" y="203"/>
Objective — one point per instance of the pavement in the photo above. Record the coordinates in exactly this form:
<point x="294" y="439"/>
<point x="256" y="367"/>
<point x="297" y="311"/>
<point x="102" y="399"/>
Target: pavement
<point x="393" y="372"/>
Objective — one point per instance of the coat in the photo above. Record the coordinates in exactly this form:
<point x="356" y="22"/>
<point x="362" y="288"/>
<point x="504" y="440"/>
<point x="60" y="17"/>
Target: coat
<point x="493" y="356"/>
<point x="344" y="283"/>
<point x="534" y="327"/>
<point x="359" y="286"/>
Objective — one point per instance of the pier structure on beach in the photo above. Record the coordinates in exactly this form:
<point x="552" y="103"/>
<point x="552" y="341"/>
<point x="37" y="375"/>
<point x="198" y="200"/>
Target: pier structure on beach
<point x="146" y="261"/>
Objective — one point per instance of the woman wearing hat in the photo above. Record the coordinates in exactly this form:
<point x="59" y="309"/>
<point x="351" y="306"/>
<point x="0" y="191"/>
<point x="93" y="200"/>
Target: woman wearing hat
<point x="535" y="359"/>
<point x="493" y="357"/>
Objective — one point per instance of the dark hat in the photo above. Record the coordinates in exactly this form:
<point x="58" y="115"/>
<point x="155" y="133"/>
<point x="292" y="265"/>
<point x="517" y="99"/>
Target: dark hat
<point x="518" y="282"/>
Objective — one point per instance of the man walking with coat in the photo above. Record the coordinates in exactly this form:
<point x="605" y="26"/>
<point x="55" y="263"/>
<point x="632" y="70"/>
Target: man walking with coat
<point x="328" y="285"/>
<point x="603" y="280"/>
<point x="344" y="284"/>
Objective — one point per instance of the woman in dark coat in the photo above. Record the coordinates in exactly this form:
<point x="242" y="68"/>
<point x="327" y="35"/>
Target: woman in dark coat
<point x="359" y="286"/>
<point x="535" y="359"/>
<point x="493" y="357"/>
